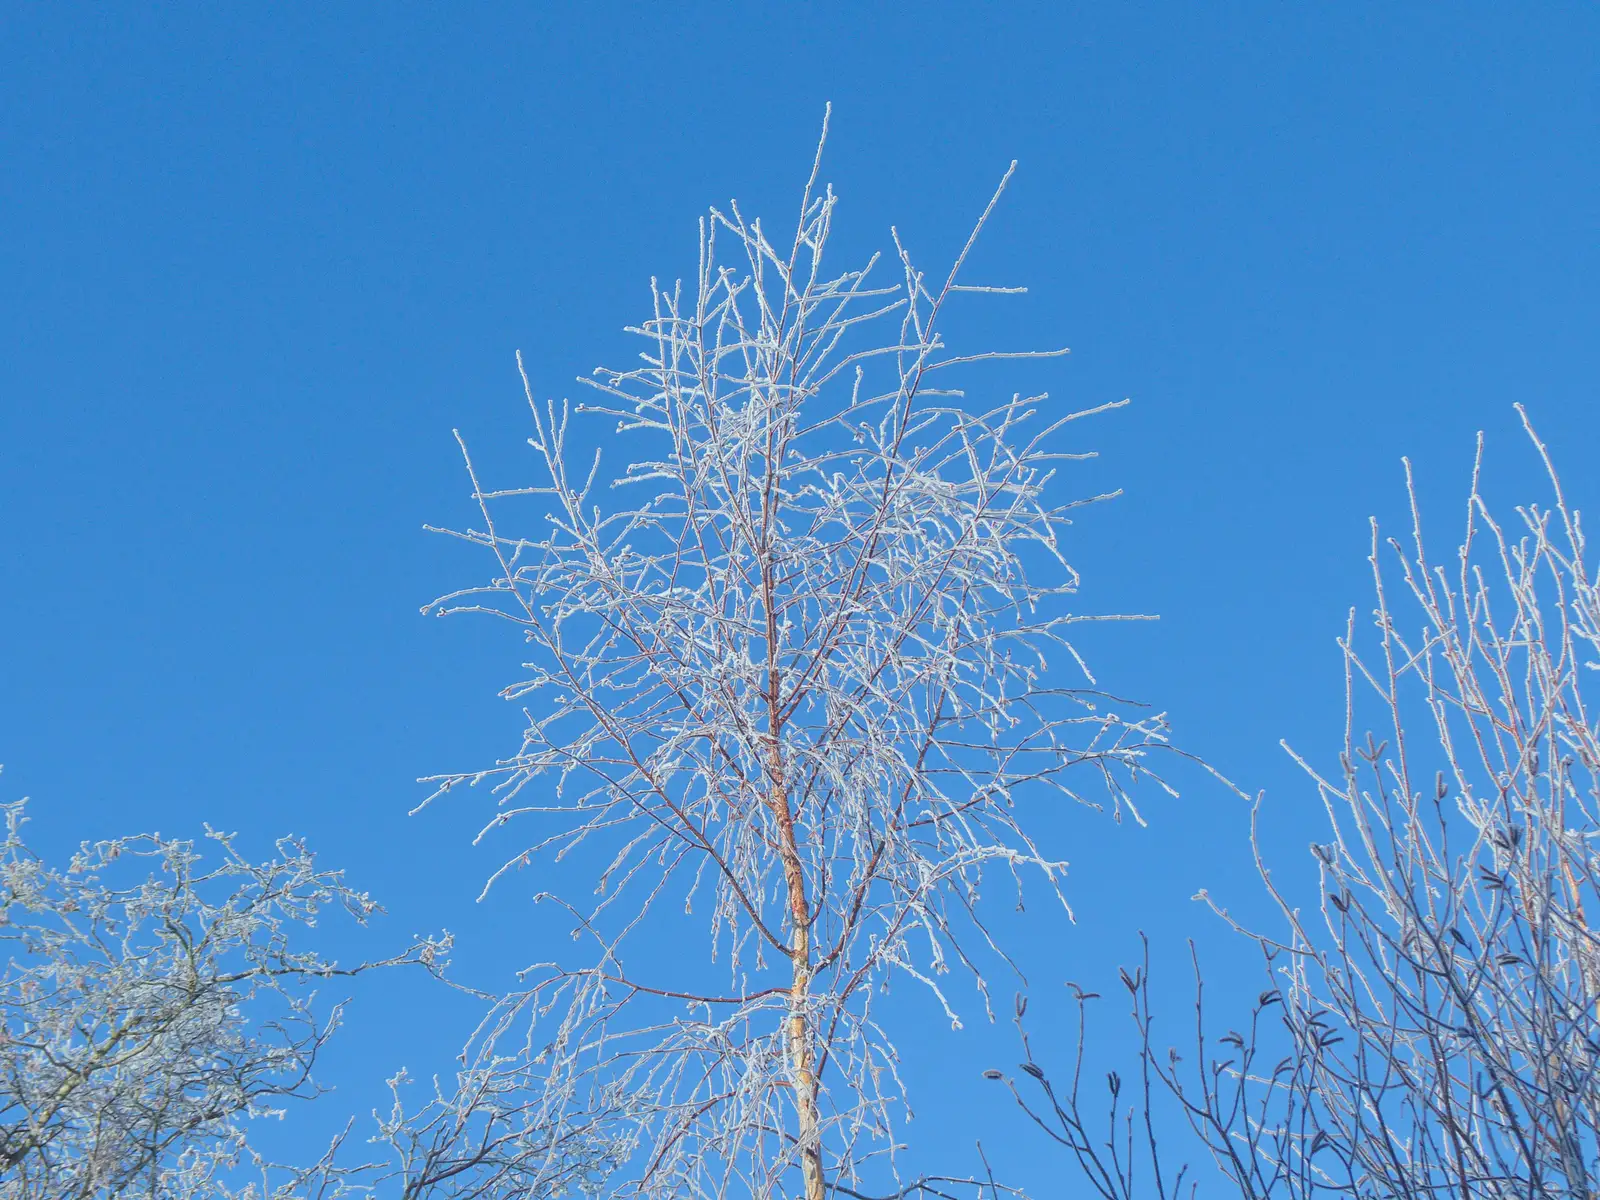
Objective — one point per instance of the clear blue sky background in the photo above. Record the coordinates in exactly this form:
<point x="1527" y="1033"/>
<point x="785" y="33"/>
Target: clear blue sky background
<point x="255" y="265"/>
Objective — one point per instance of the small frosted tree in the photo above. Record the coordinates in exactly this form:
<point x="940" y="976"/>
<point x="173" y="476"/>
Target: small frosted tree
<point x="154" y="1000"/>
<point x="157" y="1000"/>
<point x="806" y="671"/>
<point x="1431" y="1028"/>
<point x="1445" y="1006"/>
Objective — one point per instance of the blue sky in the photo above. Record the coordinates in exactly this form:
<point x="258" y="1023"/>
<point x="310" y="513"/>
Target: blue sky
<point x="255" y="264"/>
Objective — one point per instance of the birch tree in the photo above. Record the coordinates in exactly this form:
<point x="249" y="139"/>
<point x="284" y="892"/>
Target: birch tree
<point x="800" y="667"/>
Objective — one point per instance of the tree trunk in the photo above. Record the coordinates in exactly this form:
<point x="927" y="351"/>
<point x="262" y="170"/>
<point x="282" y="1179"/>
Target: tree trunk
<point x="800" y="1048"/>
<point x="801" y="1055"/>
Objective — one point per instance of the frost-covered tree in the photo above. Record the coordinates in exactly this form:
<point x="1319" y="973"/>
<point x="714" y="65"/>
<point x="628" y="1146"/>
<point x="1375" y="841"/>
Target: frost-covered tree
<point x="151" y="1008"/>
<point x="801" y="667"/>
<point x="1431" y="1026"/>
<point x="156" y="999"/>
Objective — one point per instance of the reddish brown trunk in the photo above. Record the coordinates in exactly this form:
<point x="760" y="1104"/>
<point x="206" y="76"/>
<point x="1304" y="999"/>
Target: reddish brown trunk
<point x="801" y="1054"/>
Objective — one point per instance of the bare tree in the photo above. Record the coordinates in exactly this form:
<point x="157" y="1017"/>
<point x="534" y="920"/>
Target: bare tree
<point x="1436" y="1032"/>
<point x="156" y="1000"/>
<point x="804" y="677"/>
<point x="150" y="1008"/>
